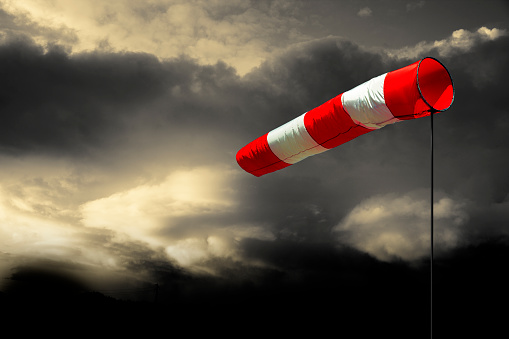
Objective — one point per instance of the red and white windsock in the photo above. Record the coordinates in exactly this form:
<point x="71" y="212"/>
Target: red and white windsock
<point x="414" y="91"/>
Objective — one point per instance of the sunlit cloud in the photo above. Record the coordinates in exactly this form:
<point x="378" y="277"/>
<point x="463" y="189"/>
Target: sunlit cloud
<point x="142" y="210"/>
<point x="394" y="226"/>
<point x="26" y="232"/>
<point x="149" y="212"/>
<point x="460" y="41"/>
<point x="365" y="12"/>
<point x="241" y="33"/>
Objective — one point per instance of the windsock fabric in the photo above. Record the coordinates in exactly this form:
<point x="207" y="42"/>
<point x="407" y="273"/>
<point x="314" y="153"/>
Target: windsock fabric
<point x="411" y="92"/>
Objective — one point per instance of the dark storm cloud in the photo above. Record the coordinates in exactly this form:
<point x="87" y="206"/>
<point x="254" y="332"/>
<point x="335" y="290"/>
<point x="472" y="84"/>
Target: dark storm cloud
<point x="472" y="139"/>
<point x="313" y="73"/>
<point x="53" y="102"/>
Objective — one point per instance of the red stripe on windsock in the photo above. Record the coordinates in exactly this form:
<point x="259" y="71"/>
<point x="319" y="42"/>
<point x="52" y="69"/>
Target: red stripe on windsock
<point x="258" y="159"/>
<point x="330" y="125"/>
<point x="401" y="93"/>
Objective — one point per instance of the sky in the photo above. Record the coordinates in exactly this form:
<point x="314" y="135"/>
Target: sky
<point x="120" y="122"/>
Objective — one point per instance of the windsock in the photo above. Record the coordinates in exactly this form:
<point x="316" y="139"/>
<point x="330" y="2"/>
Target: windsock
<point x="417" y="90"/>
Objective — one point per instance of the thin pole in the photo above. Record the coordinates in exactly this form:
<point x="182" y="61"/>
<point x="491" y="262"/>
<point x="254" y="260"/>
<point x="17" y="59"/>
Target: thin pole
<point x="431" y="233"/>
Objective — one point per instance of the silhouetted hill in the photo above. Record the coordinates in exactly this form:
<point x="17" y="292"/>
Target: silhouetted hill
<point x="363" y="296"/>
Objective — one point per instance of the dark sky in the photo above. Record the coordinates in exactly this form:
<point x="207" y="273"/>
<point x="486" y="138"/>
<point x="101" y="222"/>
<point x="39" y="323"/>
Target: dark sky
<point x="120" y="126"/>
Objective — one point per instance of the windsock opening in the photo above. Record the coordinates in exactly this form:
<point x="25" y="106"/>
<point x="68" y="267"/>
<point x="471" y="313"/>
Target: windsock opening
<point x="435" y="84"/>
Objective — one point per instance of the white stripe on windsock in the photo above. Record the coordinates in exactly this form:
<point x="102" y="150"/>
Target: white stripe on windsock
<point x="291" y="142"/>
<point x="366" y="104"/>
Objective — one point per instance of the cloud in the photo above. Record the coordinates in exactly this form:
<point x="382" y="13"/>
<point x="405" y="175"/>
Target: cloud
<point x="205" y="30"/>
<point x="24" y="232"/>
<point x="188" y="214"/>
<point x="413" y="6"/>
<point x="88" y="104"/>
<point x="460" y="41"/>
<point x="30" y="237"/>
<point x="364" y="12"/>
<point x="73" y="102"/>
<point x="463" y="40"/>
<point x="397" y="227"/>
<point x="21" y="24"/>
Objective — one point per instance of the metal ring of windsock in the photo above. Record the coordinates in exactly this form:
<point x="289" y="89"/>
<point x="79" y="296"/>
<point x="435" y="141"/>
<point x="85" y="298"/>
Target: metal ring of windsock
<point x="411" y="92"/>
